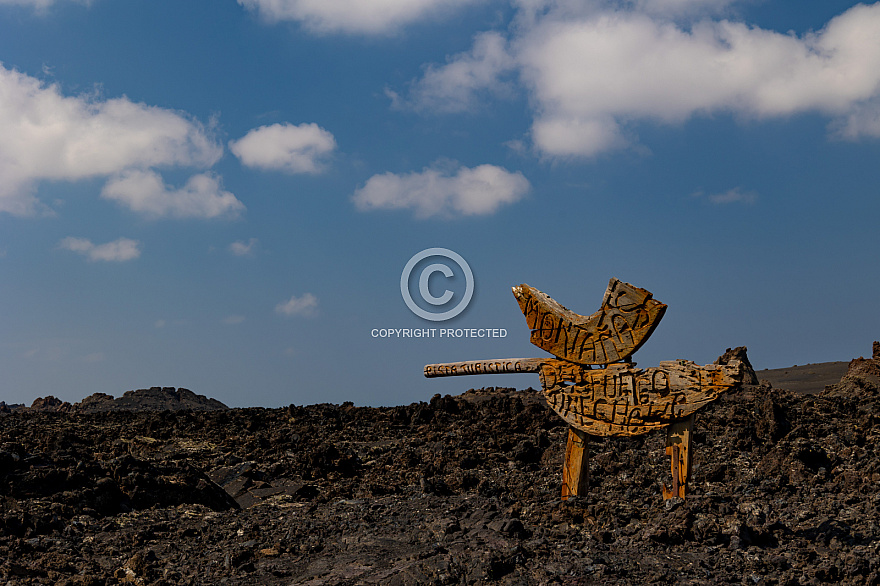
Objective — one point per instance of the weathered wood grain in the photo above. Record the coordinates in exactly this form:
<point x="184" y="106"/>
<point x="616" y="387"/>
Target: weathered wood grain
<point x="627" y="317"/>
<point x="498" y="366"/>
<point x="619" y="400"/>
<point x="679" y="437"/>
<point x="622" y="400"/>
<point x="576" y="470"/>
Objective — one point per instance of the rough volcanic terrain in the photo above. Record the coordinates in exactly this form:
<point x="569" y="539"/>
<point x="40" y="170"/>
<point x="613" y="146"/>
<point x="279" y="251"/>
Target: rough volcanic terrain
<point x="785" y="490"/>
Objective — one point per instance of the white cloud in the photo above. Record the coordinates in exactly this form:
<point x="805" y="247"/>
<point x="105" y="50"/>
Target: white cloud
<point x="735" y="195"/>
<point x="38" y="5"/>
<point x="353" y="16"/>
<point x="455" y="86"/>
<point x="593" y="70"/>
<point x="304" y="306"/>
<point x="285" y="147"/>
<point x="731" y="196"/>
<point x="145" y="192"/>
<point x="49" y="136"/>
<point x="233" y="320"/>
<point x="437" y="192"/>
<point x="242" y="248"/>
<point x="562" y="136"/>
<point x="119" y="250"/>
<point x="862" y="120"/>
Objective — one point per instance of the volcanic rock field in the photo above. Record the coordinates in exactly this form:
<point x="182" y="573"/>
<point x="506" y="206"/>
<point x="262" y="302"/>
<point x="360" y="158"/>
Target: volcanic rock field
<point x="163" y="486"/>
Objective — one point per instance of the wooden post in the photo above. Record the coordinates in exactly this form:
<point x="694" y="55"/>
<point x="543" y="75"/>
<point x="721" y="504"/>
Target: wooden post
<point x="679" y="436"/>
<point x="576" y="470"/>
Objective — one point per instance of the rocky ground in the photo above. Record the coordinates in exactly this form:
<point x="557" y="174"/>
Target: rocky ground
<point x="786" y="490"/>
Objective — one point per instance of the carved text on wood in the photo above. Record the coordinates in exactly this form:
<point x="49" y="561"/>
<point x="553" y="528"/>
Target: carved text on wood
<point x="624" y="400"/>
<point x="626" y="318"/>
<point x="618" y="400"/>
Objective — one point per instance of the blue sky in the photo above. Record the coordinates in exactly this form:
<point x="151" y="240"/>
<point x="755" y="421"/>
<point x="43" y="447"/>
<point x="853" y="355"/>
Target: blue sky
<point x="222" y="195"/>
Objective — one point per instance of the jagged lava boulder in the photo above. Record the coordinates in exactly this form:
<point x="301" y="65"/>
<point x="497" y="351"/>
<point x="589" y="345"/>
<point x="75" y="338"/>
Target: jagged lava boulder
<point x="863" y="375"/>
<point x="50" y="403"/>
<point x="739" y="353"/>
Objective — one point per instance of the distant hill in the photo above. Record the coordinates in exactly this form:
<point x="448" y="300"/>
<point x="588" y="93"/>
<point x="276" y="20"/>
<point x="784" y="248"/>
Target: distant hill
<point x="807" y="379"/>
<point x="152" y="399"/>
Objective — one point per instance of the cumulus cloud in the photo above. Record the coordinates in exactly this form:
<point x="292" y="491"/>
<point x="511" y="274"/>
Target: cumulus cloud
<point x="456" y="86"/>
<point x="145" y="192"/>
<point x="49" y="136"/>
<point x="594" y="70"/>
<point x="304" y="306"/>
<point x="119" y="250"/>
<point x="443" y="192"/>
<point x="285" y="147"/>
<point x="242" y="248"/>
<point x="627" y="66"/>
<point x="353" y="16"/>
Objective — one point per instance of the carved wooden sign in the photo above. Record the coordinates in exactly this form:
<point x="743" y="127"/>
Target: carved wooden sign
<point x="627" y="317"/>
<point x="617" y="399"/>
<point x="623" y="400"/>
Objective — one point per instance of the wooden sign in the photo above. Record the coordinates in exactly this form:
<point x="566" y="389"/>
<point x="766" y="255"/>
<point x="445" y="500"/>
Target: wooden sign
<point x="617" y="399"/>
<point x="626" y="318"/>
<point x="622" y="400"/>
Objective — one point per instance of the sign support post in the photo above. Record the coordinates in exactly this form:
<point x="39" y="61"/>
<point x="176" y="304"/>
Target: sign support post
<point x="576" y="470"/>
